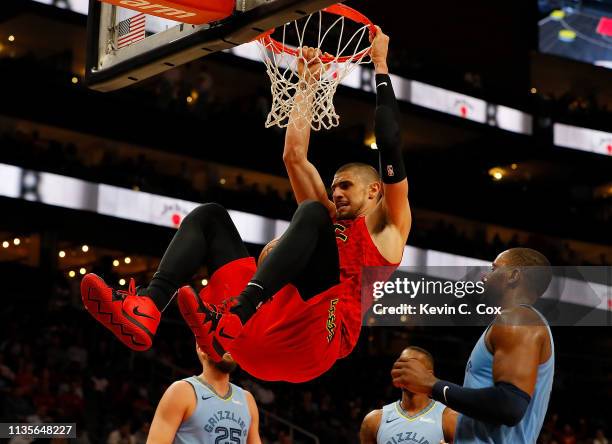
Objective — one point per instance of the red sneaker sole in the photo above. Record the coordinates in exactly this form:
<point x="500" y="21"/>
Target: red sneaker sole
<point x="97" y="298"/>
<point x="189" y="308"/>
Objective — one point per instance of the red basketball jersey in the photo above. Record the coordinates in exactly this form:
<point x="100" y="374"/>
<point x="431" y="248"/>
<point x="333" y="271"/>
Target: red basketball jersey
<point x="293" y="340"/>
<point x="356" y="250"/>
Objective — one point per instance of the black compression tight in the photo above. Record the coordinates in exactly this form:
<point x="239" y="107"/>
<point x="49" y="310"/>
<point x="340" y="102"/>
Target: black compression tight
<point x="305" y="256"/>
<point x="207" y="236"/>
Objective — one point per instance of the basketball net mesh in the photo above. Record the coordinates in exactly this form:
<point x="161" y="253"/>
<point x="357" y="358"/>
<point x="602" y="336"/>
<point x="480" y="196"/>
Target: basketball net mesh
<point x="310" y="96"/>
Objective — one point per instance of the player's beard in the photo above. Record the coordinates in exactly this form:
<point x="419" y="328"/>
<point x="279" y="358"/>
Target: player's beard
<point x="347" y="214"/>
<point x="225" y="366"/>
<point x="492" y="294"/>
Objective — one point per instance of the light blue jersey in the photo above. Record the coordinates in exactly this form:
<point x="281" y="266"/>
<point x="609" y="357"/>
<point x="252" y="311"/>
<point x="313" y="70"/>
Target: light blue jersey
<point x="479" y="374"/>
<point x="215" y="419"/>
<point x="397" y="427"/>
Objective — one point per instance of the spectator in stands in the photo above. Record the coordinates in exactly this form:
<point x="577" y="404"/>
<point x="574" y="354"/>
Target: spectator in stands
<point x="567" y="436"/>
<point x="600" y="438"/>
<point x="283" y="438"/>
<point x="7" y="377"/>
<point x="140" y="437"/>
<point x="122" y="435"/>
<point x="16" y="405"/>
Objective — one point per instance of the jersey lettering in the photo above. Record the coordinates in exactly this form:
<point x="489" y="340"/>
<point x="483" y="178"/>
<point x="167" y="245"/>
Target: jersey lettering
<point x="340" y="232"/>
<point x="331" y="320"/>
<point x="408" y="437"/>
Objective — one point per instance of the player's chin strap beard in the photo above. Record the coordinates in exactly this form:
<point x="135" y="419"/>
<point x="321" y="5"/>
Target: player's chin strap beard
<point x="225" y="366"/>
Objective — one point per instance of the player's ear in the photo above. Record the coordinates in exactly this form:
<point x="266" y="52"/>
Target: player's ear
<point x="201" y="352"/>
<point x="374" y="190"/>
<point x="514" y="276"/>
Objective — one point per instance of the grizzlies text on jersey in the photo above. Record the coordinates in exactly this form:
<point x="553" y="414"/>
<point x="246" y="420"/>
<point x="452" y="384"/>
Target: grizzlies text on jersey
<point x="216" y="419"/>
<point x="396" y="426"/>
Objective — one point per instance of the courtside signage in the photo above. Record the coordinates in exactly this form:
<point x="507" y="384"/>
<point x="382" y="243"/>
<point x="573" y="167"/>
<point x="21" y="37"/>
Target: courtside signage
<point x="583" y="139"/>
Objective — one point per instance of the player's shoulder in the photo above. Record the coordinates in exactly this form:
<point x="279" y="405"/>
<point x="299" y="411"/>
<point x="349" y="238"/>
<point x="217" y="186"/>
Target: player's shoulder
<point x="373" y="418"/>
<point x="251" y="402"/>
<point x="180" y="388"/>
<point x="179" y="394"/>
<point x="371" y="424"/>
<point x="447" y="412"/>
<point x="520" y="315"/>
<point x="516" y="325"/>
<point x="248" y="395"/>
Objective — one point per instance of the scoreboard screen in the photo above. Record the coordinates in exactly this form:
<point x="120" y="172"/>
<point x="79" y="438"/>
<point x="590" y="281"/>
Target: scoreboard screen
<point x="577" y="29"/>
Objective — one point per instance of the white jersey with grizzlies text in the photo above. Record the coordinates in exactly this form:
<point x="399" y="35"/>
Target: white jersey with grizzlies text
<point x="397" y="427"/>
<point x="216" y="419"/>
<point x="479" y="374"/>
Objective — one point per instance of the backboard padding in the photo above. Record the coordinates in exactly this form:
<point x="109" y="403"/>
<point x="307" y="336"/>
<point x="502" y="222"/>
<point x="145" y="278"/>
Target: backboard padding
<point x="109" y="69"/>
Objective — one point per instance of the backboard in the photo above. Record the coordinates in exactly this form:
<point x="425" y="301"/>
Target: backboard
<point x="125" y="46"/>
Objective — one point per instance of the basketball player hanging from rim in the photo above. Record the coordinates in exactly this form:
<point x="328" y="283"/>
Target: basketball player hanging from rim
<point x="297" y="313"/>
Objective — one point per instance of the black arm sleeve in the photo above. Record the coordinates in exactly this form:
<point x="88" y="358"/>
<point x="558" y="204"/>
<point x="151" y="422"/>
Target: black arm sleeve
<point x="503" y="403"/>
<point x="388" y="132"/>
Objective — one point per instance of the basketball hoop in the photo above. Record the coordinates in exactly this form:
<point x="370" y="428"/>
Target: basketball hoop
<point x="332" y="31"/>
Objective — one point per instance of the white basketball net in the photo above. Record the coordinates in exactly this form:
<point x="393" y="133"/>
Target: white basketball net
<point x="315" y="88"/>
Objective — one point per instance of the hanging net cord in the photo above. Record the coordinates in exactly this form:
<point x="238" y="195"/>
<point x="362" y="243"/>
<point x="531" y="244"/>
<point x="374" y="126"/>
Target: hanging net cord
<point x="307" y="98"/>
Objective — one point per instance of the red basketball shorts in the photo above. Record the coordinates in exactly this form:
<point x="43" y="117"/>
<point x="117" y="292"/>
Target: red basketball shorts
<point x="288" y="339"/>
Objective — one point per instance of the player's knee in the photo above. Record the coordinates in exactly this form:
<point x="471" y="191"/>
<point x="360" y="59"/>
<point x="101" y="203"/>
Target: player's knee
<point x="312" y="212"/>
<point x="206" y="212"/>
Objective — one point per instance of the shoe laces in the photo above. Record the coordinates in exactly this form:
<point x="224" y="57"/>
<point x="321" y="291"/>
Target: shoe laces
<point x="131" y="291"/>
<point x="227" y="304"/>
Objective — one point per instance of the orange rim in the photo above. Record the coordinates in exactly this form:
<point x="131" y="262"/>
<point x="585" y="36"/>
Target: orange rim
<point x="337" y="9"/>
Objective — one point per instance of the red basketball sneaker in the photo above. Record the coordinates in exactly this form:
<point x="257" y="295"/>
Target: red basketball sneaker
<point x="132" y="317"/>
<point x="214" y="327"/>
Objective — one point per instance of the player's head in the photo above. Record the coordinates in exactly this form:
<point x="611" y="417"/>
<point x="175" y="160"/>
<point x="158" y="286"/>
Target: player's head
<point x="227" y="365"/>
<point x="421" y="355"/>
<point x="520" y="269"/>
<point x="356" y="189"/>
